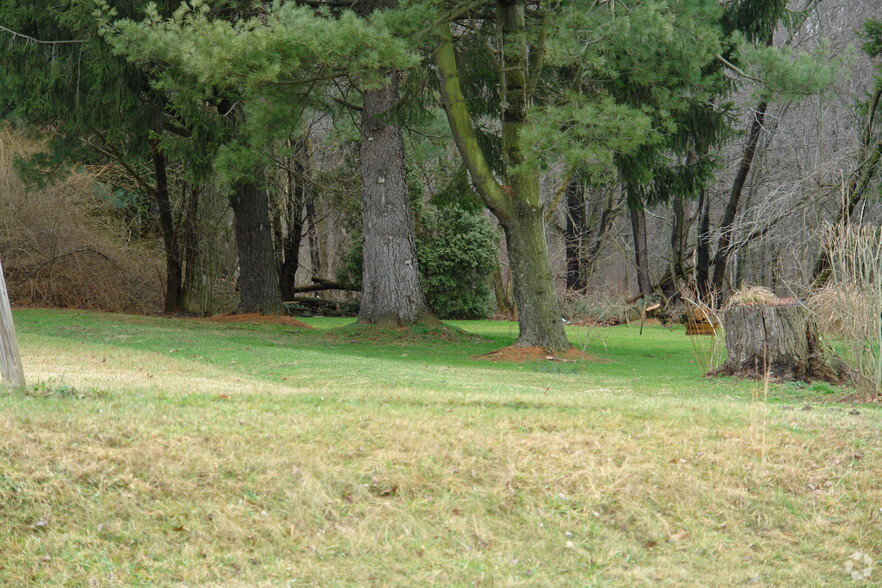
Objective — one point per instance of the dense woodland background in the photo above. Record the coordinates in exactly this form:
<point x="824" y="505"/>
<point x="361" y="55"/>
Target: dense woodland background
<point x="239" y="154"/>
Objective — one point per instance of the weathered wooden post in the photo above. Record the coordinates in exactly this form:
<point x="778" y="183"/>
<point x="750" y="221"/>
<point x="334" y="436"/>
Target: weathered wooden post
<point x="10" y="361"/>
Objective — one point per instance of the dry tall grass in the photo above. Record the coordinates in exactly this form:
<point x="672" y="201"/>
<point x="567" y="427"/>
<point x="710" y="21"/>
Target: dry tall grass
<point x="752" y="296"/>
<point x="849" y="307"/>
<point x="60" y="246"/>
<point x="705" y="330"/>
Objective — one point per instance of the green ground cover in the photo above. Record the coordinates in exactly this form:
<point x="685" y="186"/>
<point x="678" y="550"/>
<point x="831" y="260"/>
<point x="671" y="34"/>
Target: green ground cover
<point x="155" y="451"/>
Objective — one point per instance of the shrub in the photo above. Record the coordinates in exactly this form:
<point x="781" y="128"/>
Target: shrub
<point x="457" y="253"/>
<point x="351" y="267"/>
<point x="62" y="247"/>
<point x="849" y="307"/>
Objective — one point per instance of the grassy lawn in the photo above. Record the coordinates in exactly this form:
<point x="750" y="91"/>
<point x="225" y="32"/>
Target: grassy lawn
<point x="153" y="451"/>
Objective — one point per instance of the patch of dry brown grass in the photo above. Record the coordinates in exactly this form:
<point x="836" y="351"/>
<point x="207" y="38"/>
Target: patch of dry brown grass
<point x="756" y="296"/>
<point x="230" y="494"/>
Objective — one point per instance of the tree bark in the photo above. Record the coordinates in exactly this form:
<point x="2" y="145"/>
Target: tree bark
<point x="173" y="270"/>
<point x="641" y="251"/>
<point x="702" y="248"/>
<point x="315" y="253"/>
<point x="539" y="317"/>
<point x="11" y="370"/>
<point x="721" y="256"/>
<point x="781" y="341"/>
<point x="683" y="216"/>
<point x="589" y="216"/>
<point x="190" y="240"/>
<point x="298" y="186"/>
<point x="575" y="234"/>
<point x="610" y="212"/>
<point x="516" y="204"/>
<point x="391" y="291"/>
<point x="258" y="279"/>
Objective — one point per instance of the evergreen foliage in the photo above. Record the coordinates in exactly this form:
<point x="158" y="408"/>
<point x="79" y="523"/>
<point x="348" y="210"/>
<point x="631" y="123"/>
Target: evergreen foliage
<point x="873" y="34"/>
<point x="457" y="254"/>
<point x="456" y="251"/>
<point x="267" y="69"/>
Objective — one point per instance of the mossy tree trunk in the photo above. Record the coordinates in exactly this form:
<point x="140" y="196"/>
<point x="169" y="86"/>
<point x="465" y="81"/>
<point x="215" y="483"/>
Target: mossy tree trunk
<point x="539" y="318"/>
<point x="516" y="203"/>
<point x="781" y="341"/>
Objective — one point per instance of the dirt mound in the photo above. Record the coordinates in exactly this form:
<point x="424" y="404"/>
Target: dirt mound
<point x="429" y="332"/>
<point x="523" y="354"/>
<point x="253" y="317"/>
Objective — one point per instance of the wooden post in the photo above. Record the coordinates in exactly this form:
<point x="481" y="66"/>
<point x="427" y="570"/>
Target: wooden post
<point x="10" y="361"/>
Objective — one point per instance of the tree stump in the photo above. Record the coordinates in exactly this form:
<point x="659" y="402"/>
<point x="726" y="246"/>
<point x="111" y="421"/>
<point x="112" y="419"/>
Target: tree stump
<point x="779" y="340"/>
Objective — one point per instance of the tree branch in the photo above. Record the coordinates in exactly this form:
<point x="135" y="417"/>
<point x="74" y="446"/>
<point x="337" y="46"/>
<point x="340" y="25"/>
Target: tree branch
<point x="738" y="70"/>
<point x="111" y="151"/>
<point x="41" y="42"/>
<point x="347" y="104"/>
<point x="460" y="120"/>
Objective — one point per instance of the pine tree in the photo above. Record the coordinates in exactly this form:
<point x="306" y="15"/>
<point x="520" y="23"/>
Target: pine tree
<point x="272" y="68"/>
<point x="571" y="78"/>
<point x="57" y="72"/>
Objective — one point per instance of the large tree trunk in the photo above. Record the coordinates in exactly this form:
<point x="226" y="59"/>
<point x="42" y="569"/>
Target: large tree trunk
<point x="516" y="203"/>
<point x="539" y="318"/>
<point x="173" y="270"/>
<point x="391" y="283"/>
<point x="258" y="278"/>
<point x="781" y="341"/>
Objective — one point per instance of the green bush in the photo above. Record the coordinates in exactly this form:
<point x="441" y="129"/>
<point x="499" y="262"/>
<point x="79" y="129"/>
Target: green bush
<point x="352" y="263"/>
<point x="457" y="253"/>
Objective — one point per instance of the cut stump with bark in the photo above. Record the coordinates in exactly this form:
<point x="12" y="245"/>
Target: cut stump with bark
<point x="781" y="341"/>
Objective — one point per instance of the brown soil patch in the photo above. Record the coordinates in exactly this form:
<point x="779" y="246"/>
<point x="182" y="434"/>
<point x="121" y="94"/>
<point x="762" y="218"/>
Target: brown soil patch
<point x="523" y="354"/>
<point x="253" y="317"/>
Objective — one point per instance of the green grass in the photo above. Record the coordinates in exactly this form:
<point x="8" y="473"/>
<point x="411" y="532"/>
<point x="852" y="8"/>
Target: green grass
<point x="153" y="451"/>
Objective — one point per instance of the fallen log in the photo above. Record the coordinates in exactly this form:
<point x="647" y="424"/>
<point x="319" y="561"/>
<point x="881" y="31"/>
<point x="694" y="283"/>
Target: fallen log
<point x="326" y="284"/>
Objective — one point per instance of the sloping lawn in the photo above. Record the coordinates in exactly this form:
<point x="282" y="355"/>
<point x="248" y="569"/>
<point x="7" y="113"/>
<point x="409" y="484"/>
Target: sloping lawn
<point x="154" y="451"/>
